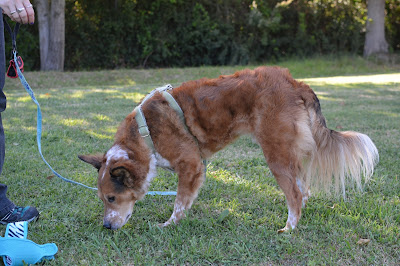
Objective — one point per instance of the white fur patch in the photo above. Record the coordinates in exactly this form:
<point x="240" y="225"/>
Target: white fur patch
<point x="292" y="220"/>
<point x="162" y="162"/>
<point x="304" y="194"/>
<point x="178" y="210"/>
<point x="113" y="214"/>
<point x="299" y="185"/>
<point x="152" y="172"/>
<point x="115" y="153"/>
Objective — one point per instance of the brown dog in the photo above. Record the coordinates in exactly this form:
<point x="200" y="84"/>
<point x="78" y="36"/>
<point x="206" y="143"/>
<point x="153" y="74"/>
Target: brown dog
<point x="282" y="114"/>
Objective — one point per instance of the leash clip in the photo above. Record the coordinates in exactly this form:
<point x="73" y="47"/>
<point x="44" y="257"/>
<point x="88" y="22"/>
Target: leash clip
<point x="18" y="63"/>
<point x="12" y="68"/>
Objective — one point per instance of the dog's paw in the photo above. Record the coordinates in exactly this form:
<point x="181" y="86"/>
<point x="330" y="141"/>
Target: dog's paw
<point x="167" y="223"/>
<point x="280" y="231"/>
<point x="285" y="229"/>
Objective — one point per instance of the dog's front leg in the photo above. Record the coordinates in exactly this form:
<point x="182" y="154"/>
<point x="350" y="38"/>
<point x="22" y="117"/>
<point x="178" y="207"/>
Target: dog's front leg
<point x="178" y="214"/>
<point x="191" y="176"/>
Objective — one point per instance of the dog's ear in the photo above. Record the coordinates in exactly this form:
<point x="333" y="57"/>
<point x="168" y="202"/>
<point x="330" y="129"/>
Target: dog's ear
<point x="95" y="160"/>
<point x="122" y="176"/>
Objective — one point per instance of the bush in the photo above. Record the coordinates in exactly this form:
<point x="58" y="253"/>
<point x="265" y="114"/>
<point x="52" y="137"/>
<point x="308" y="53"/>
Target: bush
<point x="164" y="33"/>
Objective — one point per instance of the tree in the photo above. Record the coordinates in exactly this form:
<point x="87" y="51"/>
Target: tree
<point x="375" y="41"/>
<point x="51" y="18"/>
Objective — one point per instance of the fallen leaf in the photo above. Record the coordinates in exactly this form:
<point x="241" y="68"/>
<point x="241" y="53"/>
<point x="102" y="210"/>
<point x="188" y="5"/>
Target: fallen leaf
<point x="363" y="241"/>
<point x="50" y="177"/>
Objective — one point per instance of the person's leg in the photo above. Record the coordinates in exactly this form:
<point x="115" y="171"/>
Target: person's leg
<point x="9" y="213"/>
<point x="2" y="65"/>
<point x="5" y="204"/>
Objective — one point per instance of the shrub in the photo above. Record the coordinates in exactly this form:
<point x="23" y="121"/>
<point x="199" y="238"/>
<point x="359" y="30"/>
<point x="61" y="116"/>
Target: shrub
<point x="164" y="33"/>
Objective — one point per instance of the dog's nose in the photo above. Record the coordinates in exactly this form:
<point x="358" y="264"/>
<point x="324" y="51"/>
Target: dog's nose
<point x="107" y="225"/>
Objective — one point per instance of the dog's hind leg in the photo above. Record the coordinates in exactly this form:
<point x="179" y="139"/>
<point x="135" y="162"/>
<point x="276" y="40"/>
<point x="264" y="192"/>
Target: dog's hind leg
<point x="305" y="190"/>
<point x="285" y="167"/>
<point x="287" y="182"/>
<point x="190" y="178"/>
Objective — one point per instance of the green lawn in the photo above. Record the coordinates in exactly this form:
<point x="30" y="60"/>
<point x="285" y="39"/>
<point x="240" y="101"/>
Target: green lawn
<point x="81" y="112"/>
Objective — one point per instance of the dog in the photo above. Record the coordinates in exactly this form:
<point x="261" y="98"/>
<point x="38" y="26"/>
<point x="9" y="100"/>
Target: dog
<point x="283" y="115"/>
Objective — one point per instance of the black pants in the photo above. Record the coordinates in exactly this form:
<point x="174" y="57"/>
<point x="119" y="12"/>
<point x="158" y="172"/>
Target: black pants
<point x="5" y="204"/>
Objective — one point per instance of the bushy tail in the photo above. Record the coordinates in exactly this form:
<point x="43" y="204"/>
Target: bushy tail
<point x="339" y="156"/>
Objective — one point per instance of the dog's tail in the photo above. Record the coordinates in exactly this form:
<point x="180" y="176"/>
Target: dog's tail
<point x="338" y="156"/>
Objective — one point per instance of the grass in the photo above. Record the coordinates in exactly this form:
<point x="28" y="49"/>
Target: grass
<point x="240" y="207"/>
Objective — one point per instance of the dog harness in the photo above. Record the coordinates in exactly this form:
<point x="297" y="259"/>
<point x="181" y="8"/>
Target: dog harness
<point x="141" y="120"/>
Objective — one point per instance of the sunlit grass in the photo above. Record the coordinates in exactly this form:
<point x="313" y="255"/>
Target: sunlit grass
<point x="99" y="136"/>
<point x="25" y="99"/>
<point x="73" y="122"/>
<point x="102" y="118"/>
<point x="390" y="114"/>
<point x="385" y="79"/>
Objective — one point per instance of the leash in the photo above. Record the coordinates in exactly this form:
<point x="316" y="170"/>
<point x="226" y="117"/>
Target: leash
<point x="39" y="124"/>
<point x="16" y="61"/>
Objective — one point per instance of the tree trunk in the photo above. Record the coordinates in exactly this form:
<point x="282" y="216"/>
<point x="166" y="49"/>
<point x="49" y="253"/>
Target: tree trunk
<point x="375" y="42"/>
<point x="51" y="33"/>
<point x="55" y="58"/>
<point x="42" y="10"/>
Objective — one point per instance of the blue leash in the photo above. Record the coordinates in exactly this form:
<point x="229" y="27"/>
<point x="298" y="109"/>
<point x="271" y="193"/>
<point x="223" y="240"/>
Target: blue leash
<point x="39" y="123"/>
<point x="39" y="134"/>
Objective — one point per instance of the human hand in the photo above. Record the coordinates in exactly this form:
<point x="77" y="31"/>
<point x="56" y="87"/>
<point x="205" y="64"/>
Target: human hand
<point x="18" y="10"/>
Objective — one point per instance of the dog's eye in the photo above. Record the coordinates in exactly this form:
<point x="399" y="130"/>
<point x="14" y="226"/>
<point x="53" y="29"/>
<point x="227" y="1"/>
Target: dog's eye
<point x="111" y="199"/>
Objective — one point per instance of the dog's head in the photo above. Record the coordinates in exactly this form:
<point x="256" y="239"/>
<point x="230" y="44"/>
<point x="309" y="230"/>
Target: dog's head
<point x="123" y="179"/>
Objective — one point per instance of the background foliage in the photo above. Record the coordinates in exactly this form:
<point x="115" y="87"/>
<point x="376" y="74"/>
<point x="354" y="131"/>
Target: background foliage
<point x="161" y="33"/>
